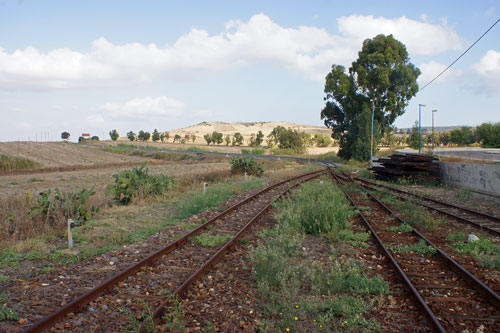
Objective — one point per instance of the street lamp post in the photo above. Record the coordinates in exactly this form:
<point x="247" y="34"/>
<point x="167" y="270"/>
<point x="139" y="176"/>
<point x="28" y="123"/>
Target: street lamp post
<point x="371" y="139"/>
<point x="433" y="130"/>
<point x="419" y="129"/>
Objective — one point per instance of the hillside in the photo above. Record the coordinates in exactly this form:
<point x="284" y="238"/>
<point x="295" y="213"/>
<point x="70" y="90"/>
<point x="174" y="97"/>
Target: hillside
<point x="245" y="129"/>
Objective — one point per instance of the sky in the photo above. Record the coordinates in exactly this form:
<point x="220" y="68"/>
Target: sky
<point x="93" y="66"/>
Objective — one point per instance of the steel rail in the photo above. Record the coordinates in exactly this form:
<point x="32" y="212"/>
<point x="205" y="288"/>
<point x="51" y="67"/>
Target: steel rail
<point x="436" y="325"/>
<point x="493" y="297"/>
<point x="181" y="290"/>
<point x="79" y="302"/>
<point x="458" y="269"/>
<point x="424" y="197"/>
<point x="439" y="210"/>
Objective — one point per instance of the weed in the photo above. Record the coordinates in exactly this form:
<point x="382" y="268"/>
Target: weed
<point x="46" y="270"/>
<point x="4" y="298"/>
<point x="7" y="313"/>
<point x="258" y="151"/>
<point x="464" y="194"/>
<point x="456" y="236"/>
<point x="281" y="276"/>
<point x="244" y="240"/>
<point x="401" y="228"/>
<point x="489" y="261"/>
<point x="34" y="180"/>
<point x="418" y="216"/>
<point x="14" y="183"/>
<point x="73" y="205"/>
<point x="9" y="258"/>
<point x="420" y="247"/>
<point x="346" y="278"/>
<point x="174" y="316"/>
<point x="198" y="150"/>
<point x="210" y="240"/>
<point x="483" y="246"/>
<point x="350" y="237"/>
<point x="4" y="279"/>
<point x="214" y="195"/>
<point x="245" y="151"/>
<point x="145" y="319"/>
<point x="34" y="255"/>
<point x="316" y="208"/>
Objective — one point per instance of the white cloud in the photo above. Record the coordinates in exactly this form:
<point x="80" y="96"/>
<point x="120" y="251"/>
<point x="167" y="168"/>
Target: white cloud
<point x="420" y="37"/>
<point x="147" y="107"/>
<point x="305" y="49"/>
<point x="488" y="71"/>
<point x="431" y="69"/>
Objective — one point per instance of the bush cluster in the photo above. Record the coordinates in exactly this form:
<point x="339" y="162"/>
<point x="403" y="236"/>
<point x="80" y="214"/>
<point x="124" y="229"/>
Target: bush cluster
<point x="74" y="205"/>
<point x="135" y="183"/>
<point x="246" y="164"/>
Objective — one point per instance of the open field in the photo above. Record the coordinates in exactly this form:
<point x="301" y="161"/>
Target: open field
<point x="61" y="154"/>
<point x="222" y="148"/>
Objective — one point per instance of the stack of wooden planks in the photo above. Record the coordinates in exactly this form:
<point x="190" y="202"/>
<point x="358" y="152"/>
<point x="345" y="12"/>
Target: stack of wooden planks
<point x="407" y="166"/>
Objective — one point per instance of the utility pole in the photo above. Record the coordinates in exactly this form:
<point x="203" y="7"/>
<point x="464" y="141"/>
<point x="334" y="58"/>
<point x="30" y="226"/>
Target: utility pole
<point x="371" y="139"/>
<point x="433" y="130"/>
<point x="420" y="129"/>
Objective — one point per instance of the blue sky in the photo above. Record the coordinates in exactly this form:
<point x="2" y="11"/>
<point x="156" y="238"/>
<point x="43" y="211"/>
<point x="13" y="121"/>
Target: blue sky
<point x="92" y="66"/>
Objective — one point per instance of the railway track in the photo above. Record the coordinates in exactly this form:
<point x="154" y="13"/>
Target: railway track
<point x="169" y="271"/>
<point x="483" y="221"/>
<point x="449" y="296"/>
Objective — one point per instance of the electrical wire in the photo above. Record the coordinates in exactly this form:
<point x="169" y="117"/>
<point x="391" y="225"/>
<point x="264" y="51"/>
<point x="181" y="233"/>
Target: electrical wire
<point x="470" y="47"/>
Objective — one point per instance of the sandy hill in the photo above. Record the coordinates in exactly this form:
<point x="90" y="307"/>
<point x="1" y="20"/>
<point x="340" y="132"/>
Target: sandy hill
<point x="245" y="129"/>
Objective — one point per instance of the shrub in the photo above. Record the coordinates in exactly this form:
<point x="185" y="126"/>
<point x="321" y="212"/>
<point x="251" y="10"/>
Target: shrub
<point x="329" y="213"/>
<point x="258" y="151"/>
<point x="131" y="184"/>
<point x="8" y="163"/>
<point x="246" y="164"/>
<point x="74" y="205"/>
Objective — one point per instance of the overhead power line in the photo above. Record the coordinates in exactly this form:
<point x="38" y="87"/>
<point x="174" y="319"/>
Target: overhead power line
<point x="470" y="47"/>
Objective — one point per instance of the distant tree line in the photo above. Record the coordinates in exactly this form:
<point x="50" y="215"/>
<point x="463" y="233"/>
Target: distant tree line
<point x="486" y="135"/>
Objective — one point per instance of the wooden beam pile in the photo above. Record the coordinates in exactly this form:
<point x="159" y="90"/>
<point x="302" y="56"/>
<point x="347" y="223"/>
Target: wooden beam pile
<point x="407" y="166"/>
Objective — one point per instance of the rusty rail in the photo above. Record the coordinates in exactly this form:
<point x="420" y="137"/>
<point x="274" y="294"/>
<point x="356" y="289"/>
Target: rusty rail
<point x="180" y="291"/>
<point x="436" y="325"/>
<point x="492" y="218"/>
<point x="81" y="301"/>
<point x="458" y="269"/>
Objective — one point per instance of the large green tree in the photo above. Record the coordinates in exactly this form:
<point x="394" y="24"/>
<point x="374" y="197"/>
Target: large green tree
<point x="383" y="79"/>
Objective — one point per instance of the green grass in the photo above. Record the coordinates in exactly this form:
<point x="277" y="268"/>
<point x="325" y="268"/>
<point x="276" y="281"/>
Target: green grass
<point x="404" y="228"/>
<point x="34" y="180"/>
<point x="421" y="247"/>
<point x="46" y="270"/>
<point x="214" y="195"/>
<point x="10" y="258"/>
<point x="7" y="313"/>
<point x="484" y="250"/>
<point x="10" y="163"/>
<point x="199" y="150"/>
<point x="413" y="214"/>
<point x="209" y="240"/>
<point x="333" y="294"/>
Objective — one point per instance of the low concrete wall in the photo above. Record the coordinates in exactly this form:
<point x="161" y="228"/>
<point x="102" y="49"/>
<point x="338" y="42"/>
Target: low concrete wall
<point x="483" y="178"/>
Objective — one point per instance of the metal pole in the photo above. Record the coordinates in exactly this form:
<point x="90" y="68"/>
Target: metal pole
<point x="433" y="130"/>
<point x="419" y="129"/>
<point x="371" y="139"/>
